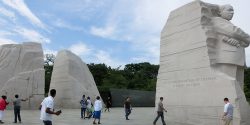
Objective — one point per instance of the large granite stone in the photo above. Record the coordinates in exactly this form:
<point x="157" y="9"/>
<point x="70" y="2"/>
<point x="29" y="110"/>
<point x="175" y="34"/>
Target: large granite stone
<point x="201" y="62"/>
<point x="71" y="78"/>
<point x="22" y="72"/>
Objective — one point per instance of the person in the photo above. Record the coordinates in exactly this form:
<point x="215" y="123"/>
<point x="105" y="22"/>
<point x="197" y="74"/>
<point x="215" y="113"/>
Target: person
<point x="228" y="112"/>
<point x="127" y="107"/>
<point x="3" y="104"/>
<point x="17" y="107"/>
<point x="83" y="103"/>
<point x="97" y="110"/>
<point x="89" y="106"/>
<point x="47" y="108"/>
<point x="160" y="113"/>
<point x="108" y="104"/>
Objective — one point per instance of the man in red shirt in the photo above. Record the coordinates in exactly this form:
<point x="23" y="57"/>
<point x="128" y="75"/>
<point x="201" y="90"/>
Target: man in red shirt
<point x="3" y="104"/>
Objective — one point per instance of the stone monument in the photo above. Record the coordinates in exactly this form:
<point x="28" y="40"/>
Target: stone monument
<point x="22" y="72"/>
<point x="202" y="61"/>
<point x="71" y="78"/>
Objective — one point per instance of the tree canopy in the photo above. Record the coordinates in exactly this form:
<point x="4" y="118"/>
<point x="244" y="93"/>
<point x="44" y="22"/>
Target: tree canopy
<point x="137" y="76"/>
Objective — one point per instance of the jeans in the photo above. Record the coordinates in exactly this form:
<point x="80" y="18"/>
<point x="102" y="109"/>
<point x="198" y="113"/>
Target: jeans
<point x="127" y="112"/>
<point x="83" y="112"/>
<point x="160" y="114"/>
<point x="17" y="113"/>
<point x="1" y="115"/>
<point x="47" y="122"/>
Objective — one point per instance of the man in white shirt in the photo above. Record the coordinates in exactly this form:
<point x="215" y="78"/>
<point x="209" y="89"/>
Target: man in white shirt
<point x="47" y="108"/>
<point x="97" y="108"/>
<point x="228" y="112"/>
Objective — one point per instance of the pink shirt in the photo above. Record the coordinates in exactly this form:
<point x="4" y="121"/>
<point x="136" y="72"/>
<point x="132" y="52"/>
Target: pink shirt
<point x="3" y="104"/>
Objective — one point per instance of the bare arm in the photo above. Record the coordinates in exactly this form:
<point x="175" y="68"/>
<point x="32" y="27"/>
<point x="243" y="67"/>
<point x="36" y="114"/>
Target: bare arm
<point x="52" y="112"/>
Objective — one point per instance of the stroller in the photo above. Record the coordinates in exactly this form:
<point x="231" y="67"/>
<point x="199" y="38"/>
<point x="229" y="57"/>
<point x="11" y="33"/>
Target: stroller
<point x="90" y="112"/>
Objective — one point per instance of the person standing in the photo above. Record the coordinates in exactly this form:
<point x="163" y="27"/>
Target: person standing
<point x="127" y="107"/>
<point x="228" y="112"/>
<point x="83" y="103"/>
<point x="97" y="110"/>
<point x="47" y="108"/>
<point x="108" y="104"/>
<point x="3" y="104"/>
<point x="17" y="107"/>
<point x="160" y="112"/>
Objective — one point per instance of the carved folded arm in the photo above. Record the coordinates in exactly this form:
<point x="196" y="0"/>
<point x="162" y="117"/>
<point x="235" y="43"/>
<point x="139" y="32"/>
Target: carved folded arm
<point x="241" y="36"/>
<point x="231" y="41"/>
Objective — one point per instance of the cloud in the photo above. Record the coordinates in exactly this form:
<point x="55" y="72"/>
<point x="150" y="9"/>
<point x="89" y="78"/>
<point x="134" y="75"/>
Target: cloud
<point x="63" y="24"/>
<point x="140" y="25"/>
<point x="105" y="32"/>
<point x="31" y="35"/>
<point x="6" y="41"/>
<point x="82" y="9"/>
<point x="7" y="13"/>
<point x="80" y="49"/>
<point x="105" y="57"/>
<point x="23" y="10"/>
<point x="94" y="55"/>
<point x="49" y="51"/>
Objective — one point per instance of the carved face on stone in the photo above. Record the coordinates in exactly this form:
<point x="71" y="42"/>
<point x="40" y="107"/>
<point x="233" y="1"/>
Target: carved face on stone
<point x="227" y="12"/>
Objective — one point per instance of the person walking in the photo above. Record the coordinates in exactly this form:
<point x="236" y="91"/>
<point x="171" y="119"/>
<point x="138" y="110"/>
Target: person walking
<point x="228" y="112"/>
<point x="83" y="103"/>
<point x="89" y="107"/>
<point x="97" y="110"/>
<point x="17" y="108"/>
<point x="108" y="104"/>
<point x="127" y="107"/>
<point x="3" y="104"/>
<point x="47" y="108"/>
<point x="160" y="113"/>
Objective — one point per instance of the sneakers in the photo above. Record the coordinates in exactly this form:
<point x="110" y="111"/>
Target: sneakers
<point x="98" y="123"/>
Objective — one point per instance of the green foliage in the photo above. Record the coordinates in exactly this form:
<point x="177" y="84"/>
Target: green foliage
<point x="99" y="72"/>
<point x="140" y="76"/>
<point x="247" y="83"/>
<point x="48" y="72"/>
<point x="48" y="68"/>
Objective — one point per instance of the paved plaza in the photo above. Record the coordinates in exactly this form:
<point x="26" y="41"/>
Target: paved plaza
<point x="139" y="116"/>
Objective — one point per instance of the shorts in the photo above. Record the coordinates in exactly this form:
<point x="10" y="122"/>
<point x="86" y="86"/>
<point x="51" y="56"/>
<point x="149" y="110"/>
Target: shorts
<point x="97" y="114"/>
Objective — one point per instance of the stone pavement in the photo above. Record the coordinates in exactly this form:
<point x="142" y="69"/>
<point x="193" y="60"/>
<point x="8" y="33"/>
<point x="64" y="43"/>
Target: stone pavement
<point x="139" y="116"/>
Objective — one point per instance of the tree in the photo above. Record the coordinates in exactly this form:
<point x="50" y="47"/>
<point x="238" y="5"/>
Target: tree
<point x="48" y="67"/>
<point x="99" y="72"/>
<point x="247" y="83"/>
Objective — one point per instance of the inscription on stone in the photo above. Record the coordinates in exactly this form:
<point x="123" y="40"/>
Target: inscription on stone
<point x="190" y="82"/>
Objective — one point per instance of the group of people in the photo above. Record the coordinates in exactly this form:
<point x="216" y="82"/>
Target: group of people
<point x="47" y="109"/>
<point x="227" y="116"/>
<point x="16" y="105"/>
<point x="91" y="110"/>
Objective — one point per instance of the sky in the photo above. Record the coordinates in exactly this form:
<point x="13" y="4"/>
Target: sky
<point x="114" y="32"/>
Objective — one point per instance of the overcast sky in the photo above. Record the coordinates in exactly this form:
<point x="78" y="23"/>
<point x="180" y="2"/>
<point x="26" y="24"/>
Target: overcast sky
<point x="114" y="32"/>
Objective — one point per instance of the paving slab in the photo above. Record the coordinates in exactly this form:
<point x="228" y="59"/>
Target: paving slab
<point x="139" y="116"/>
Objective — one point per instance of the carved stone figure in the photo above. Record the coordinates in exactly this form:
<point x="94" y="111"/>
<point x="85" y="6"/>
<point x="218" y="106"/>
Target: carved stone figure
<point x="71" y="78"/>
<point x="22" y="73"/>
<point x="202" y="62"/>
